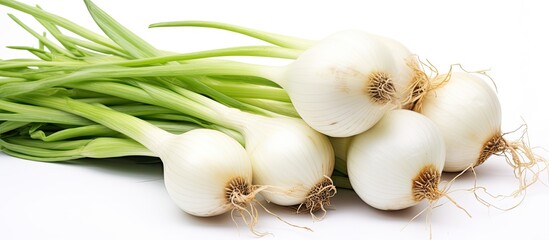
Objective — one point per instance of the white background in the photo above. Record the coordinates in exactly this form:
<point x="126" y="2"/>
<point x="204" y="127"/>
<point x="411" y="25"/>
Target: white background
<point x="121" y="200"/>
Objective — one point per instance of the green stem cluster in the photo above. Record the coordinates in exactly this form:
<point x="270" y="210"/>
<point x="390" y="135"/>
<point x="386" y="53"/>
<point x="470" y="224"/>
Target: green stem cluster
<point x="50" y="107"/>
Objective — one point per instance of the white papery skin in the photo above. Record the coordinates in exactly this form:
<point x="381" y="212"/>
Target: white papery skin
<point x="198" y="165"/>
<point x="468" y="113"/>
<point x="383" y="161"/>
<point x="287" y="156"/>
<point x="328" y="83"/>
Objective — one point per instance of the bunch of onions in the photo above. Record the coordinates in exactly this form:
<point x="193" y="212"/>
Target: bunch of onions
<point x="340" y="86"/>
<point x="272" y="122"/>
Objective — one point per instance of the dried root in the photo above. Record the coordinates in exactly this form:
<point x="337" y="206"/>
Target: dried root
<point x="380" y="88"/>
<point x="527" y="166"/>
<point x="419" y="85"/>
<point x="318" y="198"/>
<point x="241" y="196"/>
<point x="426" y="186"/>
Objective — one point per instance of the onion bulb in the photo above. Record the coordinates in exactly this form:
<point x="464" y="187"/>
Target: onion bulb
<point x="343" y="84"/>
<point x="204" y="182"/>
<point x="292" y="158"/>
<point x="467" y="111"/>
<point x="397" y="163"/>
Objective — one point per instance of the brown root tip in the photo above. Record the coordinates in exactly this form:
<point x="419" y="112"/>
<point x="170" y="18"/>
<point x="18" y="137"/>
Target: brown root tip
<point x="380" y="87"/>
<point x="318" y="198"/>
<point x="425" y="184"/>
<point x="237" y="191"/>
<point x="494" y="145"/>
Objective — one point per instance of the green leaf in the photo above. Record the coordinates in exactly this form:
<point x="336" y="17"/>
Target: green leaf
<point x="40" y="53"/>
<point x="60" y="21"/>
<point x="56" y="33"/>
<point x="76" y="132"/>
<point x="129" y="41"/>
<point x="11" y="125"/>
<point x="29" y="113"/>
<point x="276" y="39"/>
<point x="49" y="44"/>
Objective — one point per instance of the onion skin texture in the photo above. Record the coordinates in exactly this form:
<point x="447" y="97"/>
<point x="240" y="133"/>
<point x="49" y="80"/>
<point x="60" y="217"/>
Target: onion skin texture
<point x="468" y="114"/>
<point x="384" y="161"/>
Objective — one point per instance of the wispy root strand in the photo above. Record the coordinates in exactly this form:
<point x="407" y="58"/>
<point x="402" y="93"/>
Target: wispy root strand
<point x="420" y="82"/>
<point x="527" y="167"/>
<point x="243" y="203"/>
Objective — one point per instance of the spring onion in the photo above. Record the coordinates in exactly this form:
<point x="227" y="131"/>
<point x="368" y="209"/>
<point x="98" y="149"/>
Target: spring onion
<point x="343" y="84"/>
<point x="201" y="182"/>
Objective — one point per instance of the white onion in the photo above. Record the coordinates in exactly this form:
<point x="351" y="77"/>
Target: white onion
<point x="467" y="111"/>
<point x="397" y="163"/>
<point x="468" y="114"/>
<point x="342" y="85"/>
<point x="206" y="172"/>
